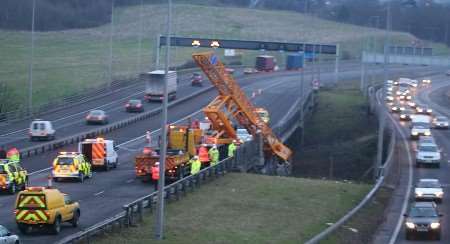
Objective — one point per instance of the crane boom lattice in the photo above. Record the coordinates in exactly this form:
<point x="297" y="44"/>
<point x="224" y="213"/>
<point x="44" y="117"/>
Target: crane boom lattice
<point x="232" y="101"/>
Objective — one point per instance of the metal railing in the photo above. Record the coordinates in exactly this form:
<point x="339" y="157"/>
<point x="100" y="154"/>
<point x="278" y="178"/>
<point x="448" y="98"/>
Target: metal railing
<point x="384" y="172"/>
<point x="133" y="212"/>
<point x="247" y="156"/>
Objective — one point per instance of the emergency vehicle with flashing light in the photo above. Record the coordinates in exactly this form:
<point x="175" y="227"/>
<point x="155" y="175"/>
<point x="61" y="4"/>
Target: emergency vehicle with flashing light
<point x="71" y="165"/>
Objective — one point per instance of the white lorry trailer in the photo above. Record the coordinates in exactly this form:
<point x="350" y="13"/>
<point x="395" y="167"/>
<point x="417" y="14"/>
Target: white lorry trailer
<point x="154" y="85"/>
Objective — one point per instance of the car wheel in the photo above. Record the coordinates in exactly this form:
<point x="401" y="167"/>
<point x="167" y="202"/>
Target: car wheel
<point x="12" y="188"/>
<point x="76" y="218"/>
<point x="116" y="163"/>
<point x="106" y="166"/>
<point x="438" y="165"/>
<point x="23" y="228"/>
<point x="438" y="236"/>
<point x="56" y="227"/>
<point x="55" y="179"/>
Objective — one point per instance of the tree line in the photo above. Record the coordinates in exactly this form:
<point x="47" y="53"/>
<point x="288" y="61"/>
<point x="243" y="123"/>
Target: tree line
<point x="53" y="15"/>
<point x="426" y="19"/>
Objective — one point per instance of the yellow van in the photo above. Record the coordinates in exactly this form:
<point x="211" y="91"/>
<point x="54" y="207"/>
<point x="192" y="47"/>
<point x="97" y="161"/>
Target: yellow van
<point x="45" y="207"/>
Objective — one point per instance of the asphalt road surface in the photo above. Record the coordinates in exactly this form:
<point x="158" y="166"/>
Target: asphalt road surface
<point x="105" y="194"/>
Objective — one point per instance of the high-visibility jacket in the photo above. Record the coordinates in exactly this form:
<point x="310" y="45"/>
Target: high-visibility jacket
<point x="231" y="149"/>
<point x="195" y="166"/>
<point x="203" y="154"/>
<point x="155" y="172"/>
<point x="13" y="155"/>
<point x="214" y="155"/>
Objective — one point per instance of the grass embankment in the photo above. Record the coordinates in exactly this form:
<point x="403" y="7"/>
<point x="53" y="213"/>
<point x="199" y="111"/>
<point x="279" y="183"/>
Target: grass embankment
<point x="340" y="138"/>
<point x="248" y="208"/>
<point x="69" y="61"/>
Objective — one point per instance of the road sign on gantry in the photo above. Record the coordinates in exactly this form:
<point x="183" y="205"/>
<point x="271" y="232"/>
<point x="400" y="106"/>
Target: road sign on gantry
<point x="250" y="45"/>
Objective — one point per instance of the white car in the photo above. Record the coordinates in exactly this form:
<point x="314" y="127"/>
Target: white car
<point x="428" y="154"/>
<point x="440" y="122"/>
<point x="243" y="135"/>
<point x="41" y="129"/>
<point x="429" y="189"/>
<point x="426" y="140"/>
<point x="7" y="237"/>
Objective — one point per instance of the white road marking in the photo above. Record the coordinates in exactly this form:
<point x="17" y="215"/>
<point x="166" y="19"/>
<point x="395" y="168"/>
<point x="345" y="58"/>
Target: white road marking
<point x="129" y="181"/>
<point x="120" y="146"/>
<point x="99" y="193"/>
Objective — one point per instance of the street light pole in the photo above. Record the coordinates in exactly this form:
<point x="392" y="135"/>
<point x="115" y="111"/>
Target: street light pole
<point x="30" y="69"/>
<point x="382" y="114"/>
<point x="163" y="146"/>
<point x="140" y="36"/>
<point x="111" y="38"/>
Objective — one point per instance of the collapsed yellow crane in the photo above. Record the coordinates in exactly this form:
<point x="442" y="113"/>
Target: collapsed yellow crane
<point x="232" y="102"/>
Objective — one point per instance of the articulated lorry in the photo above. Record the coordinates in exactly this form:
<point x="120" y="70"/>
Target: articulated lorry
<point x="154" y="85"/>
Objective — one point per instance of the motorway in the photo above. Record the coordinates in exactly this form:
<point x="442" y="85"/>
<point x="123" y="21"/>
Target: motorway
<point x="72" y="120"/>
<point x="103" y="196"/>
<point x="435" y="97"/>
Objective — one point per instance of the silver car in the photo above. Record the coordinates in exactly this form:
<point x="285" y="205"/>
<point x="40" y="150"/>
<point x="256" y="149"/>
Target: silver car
<point x="7" y="237"/>
<point x="440" y="122"/>
<point x="243" y="135"/>
<point x="429" y="189"/>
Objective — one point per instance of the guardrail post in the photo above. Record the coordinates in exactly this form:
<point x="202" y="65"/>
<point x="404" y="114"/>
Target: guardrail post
<point x="140" y="211"/>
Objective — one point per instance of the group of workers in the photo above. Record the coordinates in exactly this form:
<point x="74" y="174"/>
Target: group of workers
<point x="204" y="159"/>
<point x="13" y="154"/>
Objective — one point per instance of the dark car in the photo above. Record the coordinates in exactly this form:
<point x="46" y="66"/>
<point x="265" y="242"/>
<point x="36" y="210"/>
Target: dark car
<point x="423" y="219"/>
<point x="97" y="117"/>
<point x="406" y="114"/>
<point x="196" y="79"/>
<point x="423" y="109"/>
<point x="134" y="105"/>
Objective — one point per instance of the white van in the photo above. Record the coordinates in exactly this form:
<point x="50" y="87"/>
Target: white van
<point x="41" y="129"/>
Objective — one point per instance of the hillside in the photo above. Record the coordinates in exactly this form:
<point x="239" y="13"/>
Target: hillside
<point x="249" y="208"/>
<point x="67" y="62"/>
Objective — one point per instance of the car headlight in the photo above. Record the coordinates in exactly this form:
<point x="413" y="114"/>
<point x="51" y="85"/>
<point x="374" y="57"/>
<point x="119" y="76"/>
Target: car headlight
<point x="439" y="194"/>
<point x="410" y="225"/>
<point x="427" y="133"/>
<point x="419" y="193"/>
<point x="402" y="116"/>
<point x="435" y="225"/>
<point x="402" y="108"/>
<point x="429" y="110"/>
<point x="409" y="97"/>
<point x="419" y="110"/>
<point x="445" y="124"/>
<point x="414" y="133"/>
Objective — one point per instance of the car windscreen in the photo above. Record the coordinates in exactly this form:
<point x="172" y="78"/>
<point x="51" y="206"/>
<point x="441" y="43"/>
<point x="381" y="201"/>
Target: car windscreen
<point x="134" y="102"/>
<point x="428" y="149"/>
<point x="421" y="125"/>
<point x="422" y="212"/>
<point x="428" y="184"/>
<point x="96" y="113"/>
<point x="441" y="119"/>
<point x="64" y="161"/>
<point x="38" y="126"/>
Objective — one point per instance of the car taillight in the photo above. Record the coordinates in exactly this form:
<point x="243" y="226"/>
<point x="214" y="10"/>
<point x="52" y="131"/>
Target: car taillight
<point x="88" y="117"/>
<point x="139" y="105"/>
<point x="15" y="211"/>
<point x="127" y="105"/>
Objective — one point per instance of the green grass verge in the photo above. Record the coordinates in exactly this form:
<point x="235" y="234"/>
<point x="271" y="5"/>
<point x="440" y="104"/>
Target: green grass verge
<point x="70" y="61"/>
<point x="340" y="138"/>
<point x="248" y="208"/>
<point x="361" y="227"/>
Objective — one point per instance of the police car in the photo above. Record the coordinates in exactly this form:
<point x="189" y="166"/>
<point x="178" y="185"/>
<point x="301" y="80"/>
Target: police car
<point x="71" y="165"/>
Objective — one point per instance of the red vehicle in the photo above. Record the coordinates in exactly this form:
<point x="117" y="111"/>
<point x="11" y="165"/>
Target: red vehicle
<point x="96" y="117"/>
<point x="196" y="79"/>
<point x="134" y="105"/>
